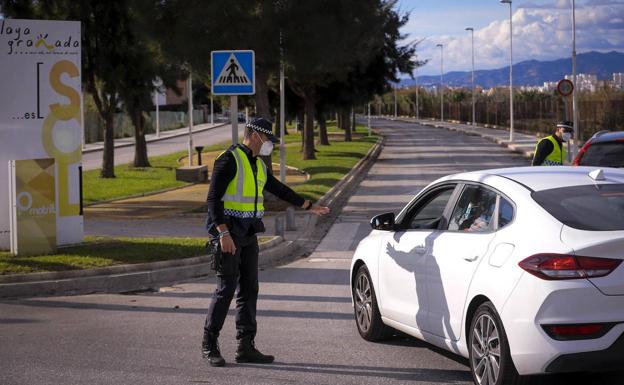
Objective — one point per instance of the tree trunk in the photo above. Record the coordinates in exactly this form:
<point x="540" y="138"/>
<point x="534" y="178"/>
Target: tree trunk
<point x="108" y="155"/>
<point x="140" y="145"/>
<point x="308" y="129"/>
<point x="347" y="125"/>
<point x="300" y="118"/>
<point x="263" y="108"/>
<point x="352" y="119"/>
<point x="323" y="139"/>
<point x="339" y="123"/>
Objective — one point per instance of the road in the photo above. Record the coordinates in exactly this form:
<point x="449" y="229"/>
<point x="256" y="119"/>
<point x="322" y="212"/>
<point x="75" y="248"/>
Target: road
<point x="304" y="312"/>
<point x="93" y="160"/>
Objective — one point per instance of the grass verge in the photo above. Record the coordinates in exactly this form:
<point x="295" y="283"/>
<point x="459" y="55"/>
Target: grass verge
<point x="332" y="163"/>
<point x="104" y="251"/>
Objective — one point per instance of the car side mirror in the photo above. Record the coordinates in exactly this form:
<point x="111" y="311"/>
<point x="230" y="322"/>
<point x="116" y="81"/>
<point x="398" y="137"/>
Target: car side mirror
<point x="383" y="222"/>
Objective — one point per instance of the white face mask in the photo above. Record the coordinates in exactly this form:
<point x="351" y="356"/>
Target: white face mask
<point x="566" y="136"/>
<point x="267" y="147"/>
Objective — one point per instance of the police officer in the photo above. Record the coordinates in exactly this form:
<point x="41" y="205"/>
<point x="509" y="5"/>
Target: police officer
<point x="550" y="150"/>
<point x="235" y="207"/>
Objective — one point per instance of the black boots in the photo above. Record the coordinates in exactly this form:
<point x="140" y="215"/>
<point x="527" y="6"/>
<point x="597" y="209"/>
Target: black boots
<point x="210" y="350"/>
<point x="247" y="352"/>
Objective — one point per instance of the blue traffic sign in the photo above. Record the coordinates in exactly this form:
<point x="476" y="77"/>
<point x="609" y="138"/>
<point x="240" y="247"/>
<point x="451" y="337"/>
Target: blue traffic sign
<point x="233" y="72"/>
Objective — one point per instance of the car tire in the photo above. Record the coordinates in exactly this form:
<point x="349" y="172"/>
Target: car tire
<point x="490" y="360"/>
<point x="367" y="315"/>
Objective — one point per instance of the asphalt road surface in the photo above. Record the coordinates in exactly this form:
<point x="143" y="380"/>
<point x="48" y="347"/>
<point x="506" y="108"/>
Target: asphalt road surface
<point x="304" y="312"/>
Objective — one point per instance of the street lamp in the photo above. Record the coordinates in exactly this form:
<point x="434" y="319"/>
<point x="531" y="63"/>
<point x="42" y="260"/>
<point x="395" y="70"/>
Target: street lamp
<point x="416" y="79"/>
<point x="441" y="81"/>
<point x="473" y="77"/>
<point x="574" y="101"/>
<point x="511" y="114"/>
<point x="395" y="102"/>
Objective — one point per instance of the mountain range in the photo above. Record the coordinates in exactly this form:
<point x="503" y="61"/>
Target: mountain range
<point x="532" y="72"/>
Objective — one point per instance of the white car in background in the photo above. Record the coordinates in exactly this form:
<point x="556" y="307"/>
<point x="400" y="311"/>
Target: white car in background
<point x="519" y="270"/>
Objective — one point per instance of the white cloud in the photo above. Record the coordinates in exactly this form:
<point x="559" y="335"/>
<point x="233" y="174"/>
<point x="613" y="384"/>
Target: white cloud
<point x="542" y="31"/>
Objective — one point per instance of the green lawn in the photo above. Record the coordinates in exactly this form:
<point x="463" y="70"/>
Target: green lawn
<point x="104" y="251"/>
<point x="332" y="163"/>
<point x="135" y="181"/>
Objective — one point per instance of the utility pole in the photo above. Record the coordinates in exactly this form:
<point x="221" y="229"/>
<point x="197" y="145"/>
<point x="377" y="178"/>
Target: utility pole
<point x="190" y="118"/>
<point x="511" y="104"/>
<point x="574" y="99"/>
<point x="441" y="81"/>
<point x="282" y="113"/>
<point x="473" y="77"/>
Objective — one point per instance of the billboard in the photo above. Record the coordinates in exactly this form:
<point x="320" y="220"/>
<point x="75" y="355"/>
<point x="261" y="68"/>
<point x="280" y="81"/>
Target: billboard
<point x="33" y="206"/>
<point x="41" y="113"/>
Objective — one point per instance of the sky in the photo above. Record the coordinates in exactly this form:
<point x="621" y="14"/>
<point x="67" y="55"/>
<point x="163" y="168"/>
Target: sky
<point x="542" y="30"/>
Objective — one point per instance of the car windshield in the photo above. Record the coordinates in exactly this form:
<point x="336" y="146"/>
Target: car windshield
<point x="606" y="154"/>
<point x="588" y="207"/>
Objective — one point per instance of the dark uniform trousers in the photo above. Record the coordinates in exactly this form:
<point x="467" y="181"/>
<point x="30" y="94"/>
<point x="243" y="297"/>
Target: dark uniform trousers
<point x="238" y="270"/>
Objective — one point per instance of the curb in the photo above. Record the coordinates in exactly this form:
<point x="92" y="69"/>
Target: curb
<point x="123" y="278"/>
<point x="101" y="148"/>
<point x="145" y="276"/>
<point x="317" y="227"/>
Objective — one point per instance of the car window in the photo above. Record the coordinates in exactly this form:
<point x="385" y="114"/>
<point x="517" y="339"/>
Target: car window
<point x="429" y="214"/>
<point x="590" y="207"/>
<point x="607" y="154"/>
<point x="474" y="210"/>
<point x="505" y="212"/>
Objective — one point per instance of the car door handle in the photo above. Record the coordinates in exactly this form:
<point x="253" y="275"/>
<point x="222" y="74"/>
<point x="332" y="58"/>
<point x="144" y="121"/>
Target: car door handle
<point x="471" y="259"/>
<point x="420" y="249"/>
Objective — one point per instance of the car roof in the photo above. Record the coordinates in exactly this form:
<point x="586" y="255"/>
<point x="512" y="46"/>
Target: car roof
<point x="544" y="178"/>
<point x="608" y="136"/>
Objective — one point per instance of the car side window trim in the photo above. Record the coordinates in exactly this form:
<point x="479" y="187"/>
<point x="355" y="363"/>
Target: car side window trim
<point x="415" y="205"/>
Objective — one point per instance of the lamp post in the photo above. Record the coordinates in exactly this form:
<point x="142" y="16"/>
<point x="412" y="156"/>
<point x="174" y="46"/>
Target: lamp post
<point x="416" y="81"/>
<point x="190" y="119"/>
<point x="441" y="81"/>
<point x="574" y="100"/>
<point x="395" y="102"/>
<point x="473" y="77"/>
<point x="511" y="113"/>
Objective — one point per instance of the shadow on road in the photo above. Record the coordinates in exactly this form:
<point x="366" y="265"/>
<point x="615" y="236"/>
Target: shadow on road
<point x="445" y="376"/>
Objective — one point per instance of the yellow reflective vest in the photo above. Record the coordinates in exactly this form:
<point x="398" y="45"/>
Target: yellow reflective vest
<point x="243" y="197"/>
<point x="558" y="154"/>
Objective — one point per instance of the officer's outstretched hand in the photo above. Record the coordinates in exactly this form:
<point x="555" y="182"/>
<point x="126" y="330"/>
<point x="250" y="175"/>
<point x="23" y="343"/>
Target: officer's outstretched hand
<point x="319" y="210"/>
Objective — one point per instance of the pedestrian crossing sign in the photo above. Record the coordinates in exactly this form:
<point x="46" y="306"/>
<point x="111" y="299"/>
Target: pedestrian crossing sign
<point x="233" y="72"/>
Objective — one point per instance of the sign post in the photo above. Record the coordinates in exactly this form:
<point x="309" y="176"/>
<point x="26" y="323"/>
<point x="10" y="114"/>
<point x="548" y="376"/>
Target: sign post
<point x="41" y="118"/>
<point x="233" y="74"/>
<point x="565" y="88"/>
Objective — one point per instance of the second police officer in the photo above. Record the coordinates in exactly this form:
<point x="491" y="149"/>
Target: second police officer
<point x="550" y="150"/>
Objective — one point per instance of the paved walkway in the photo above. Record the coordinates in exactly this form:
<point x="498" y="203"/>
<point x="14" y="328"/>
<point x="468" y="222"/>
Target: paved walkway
<point x="169" y="142"/>
<point x="125" y="142"/>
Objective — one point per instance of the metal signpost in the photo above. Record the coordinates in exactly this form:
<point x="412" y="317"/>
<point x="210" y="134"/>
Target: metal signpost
<point x="233" y="74"/>
<point x="565" y="88"/>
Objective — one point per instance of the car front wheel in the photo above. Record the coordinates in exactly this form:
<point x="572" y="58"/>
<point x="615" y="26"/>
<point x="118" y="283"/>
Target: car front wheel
<point x="490" y="360"/>
<point x="367" y="315"/>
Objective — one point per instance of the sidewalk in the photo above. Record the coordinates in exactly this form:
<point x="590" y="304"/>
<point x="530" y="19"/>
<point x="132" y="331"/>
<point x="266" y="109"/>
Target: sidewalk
<point x="126" y="142"/>
<point x="309" y="231"/>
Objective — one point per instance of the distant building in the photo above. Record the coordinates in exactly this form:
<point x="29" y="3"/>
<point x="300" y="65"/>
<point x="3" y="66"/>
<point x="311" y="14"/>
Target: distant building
<point x="548" y="87"/>
<point x="585" y="82"/>
<point x="173" y="98"/>
<point x="618" y="80"/>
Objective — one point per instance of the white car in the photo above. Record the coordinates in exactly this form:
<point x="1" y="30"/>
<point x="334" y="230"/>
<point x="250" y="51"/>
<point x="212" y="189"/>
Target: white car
<point x="519" y="270"/>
